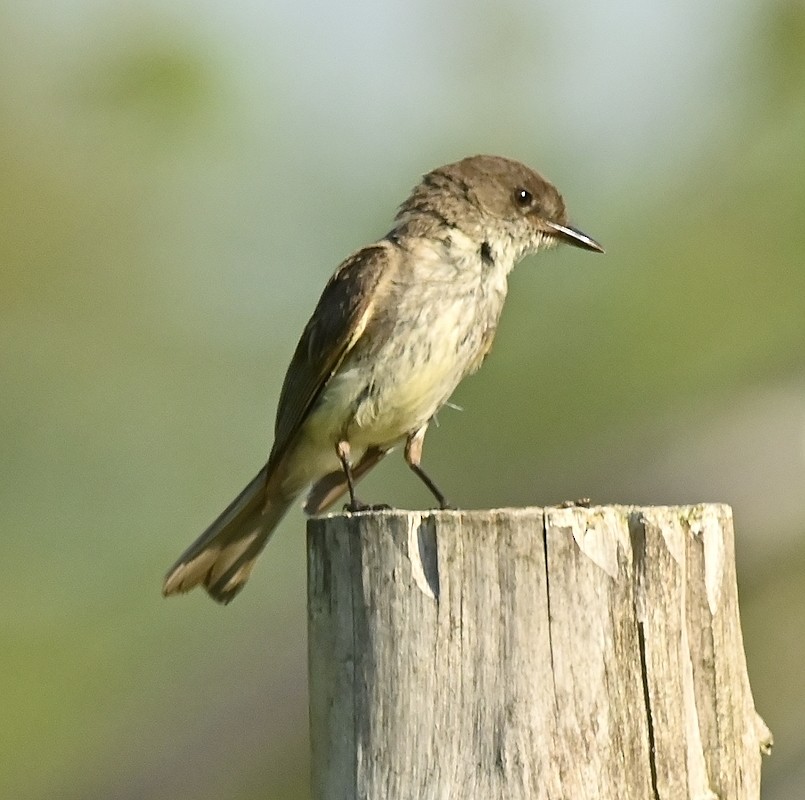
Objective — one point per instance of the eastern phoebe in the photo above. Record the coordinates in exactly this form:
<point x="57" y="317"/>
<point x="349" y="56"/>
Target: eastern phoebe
<point x="398" y="326"/>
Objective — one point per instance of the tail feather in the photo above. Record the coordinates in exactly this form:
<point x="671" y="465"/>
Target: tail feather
<point x="221" y="559"/>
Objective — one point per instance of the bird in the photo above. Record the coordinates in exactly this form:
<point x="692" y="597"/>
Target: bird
<point x="397" y="327"/>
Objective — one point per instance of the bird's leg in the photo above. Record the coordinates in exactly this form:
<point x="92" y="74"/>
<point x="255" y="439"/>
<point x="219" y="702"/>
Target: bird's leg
<point x="331" y="486"/>
<point x="342" y="450"/>
<point x="413" y="457"/>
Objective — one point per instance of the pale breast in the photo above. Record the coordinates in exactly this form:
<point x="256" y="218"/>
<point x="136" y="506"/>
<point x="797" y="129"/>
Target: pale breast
<point x="436" y="326"/>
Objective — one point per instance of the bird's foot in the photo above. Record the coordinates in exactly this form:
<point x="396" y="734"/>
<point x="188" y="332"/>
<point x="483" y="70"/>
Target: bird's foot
<point x="356" y="505"/>
<point x="583" y="502"/>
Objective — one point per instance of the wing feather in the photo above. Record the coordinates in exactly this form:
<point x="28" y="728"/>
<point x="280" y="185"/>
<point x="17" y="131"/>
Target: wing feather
<point x="340" y="319"/>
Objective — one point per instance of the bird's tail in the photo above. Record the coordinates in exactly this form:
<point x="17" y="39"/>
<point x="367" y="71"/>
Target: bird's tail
<point x="222" y="558"/>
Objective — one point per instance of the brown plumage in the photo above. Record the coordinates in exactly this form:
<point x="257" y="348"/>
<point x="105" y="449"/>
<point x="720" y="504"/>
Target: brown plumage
<point x="397" y="327"/>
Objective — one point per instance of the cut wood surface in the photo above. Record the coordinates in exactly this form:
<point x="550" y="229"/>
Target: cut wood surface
<point x="562" y="653"/>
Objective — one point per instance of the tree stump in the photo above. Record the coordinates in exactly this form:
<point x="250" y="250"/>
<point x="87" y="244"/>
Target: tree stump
<point x="557" y="653"/>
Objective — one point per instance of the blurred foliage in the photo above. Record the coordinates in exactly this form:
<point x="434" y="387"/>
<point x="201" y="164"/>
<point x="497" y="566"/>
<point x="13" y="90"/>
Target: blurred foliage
<point x="176" y="186"/>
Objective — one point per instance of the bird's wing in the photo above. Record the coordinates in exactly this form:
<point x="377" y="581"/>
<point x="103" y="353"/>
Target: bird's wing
<point x="341" y="316"/>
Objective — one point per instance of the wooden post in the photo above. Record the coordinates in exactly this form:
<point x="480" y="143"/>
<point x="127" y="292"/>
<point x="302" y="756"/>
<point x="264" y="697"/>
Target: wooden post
<point x="562" y="653"/>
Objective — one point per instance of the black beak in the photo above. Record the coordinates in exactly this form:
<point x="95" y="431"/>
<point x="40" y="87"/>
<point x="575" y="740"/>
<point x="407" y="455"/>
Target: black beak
<point x="573" y="236"/>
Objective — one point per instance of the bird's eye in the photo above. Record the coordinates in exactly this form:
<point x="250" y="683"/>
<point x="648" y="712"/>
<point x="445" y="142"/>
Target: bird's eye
<point x="523" y="198"/>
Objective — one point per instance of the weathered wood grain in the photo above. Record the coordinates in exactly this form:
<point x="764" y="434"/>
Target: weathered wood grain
<point x="558" y="653"/>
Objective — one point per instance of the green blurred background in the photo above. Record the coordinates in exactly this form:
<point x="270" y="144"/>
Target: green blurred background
<point x="178" y="181"/>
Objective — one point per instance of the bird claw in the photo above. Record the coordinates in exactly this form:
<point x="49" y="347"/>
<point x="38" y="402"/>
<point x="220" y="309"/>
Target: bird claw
<point x="583" y="502"/>
<point x="356" y="506"/>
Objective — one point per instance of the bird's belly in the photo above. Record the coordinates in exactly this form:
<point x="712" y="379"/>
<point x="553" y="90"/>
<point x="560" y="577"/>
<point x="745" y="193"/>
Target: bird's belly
<point x="375" y="402"/>
<point x="395" y="389"/>
<point x="399" y="401"/>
